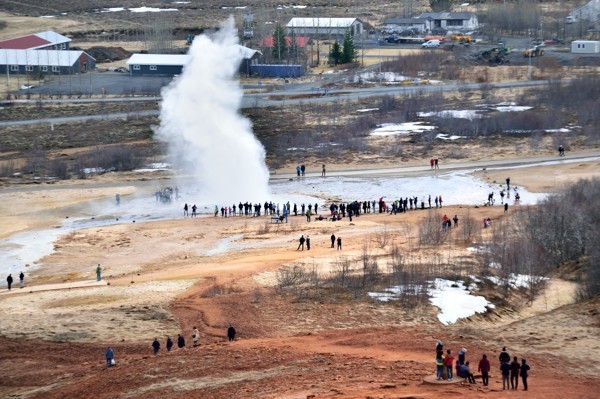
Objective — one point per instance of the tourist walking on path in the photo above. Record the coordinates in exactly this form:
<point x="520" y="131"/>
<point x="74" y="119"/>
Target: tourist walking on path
<point x="508" y="184"/>
<point x="155" y="346"/>
<point x="301" y="242"/>
<point x="169" y="344"/>
<point x="339" y="243"/>
<point x="524" y="373"/>
<point x="9" y="281"/>
<point x="323" y="172"/>
<point x="332" y="240"/>
<point x="110" y="357"/>
<point x="98" y="273"/>
<point x="308" y="243"/>
<point x="180" y="341"/>
<point x="515" y="368"/>
<point x="22" y="280"/>
<point x="484" y="368"/>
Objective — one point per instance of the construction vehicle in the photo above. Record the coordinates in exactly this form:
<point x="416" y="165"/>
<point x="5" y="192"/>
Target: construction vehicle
<point x="497" y="55"/>
<point x="536" y="51"/>
<point x="459" y="37"/>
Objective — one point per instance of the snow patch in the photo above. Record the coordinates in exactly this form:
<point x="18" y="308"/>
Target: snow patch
<point x="455" y="301"/>
<point x="443" y="136"/>
<point x="367" y="110"/>
<point x="396" y="129"/>
<point x="469" y="114"/>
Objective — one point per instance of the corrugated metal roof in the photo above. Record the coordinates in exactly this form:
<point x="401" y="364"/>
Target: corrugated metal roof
<point x="321" y="22"/>
<point x="176" y="59"/>
<point x="447" y="15"/>
<point x="40" y="57"/>
<point x="32" y="42"/>
<point x="23" y="43"/>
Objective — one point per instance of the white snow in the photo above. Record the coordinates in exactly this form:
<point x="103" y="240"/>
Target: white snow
<point x="469" y="114"/>
<point x="388" y="77"/>
<point x="561" y="130"/>
<point x="444" y="136"/>
<point x="455" y="301"/>
<point x="512" y="108"/>
<point x="367" y="110"/>
<point x="393" y="129"/>
<point x="516" y="280"/>
<point x="113" y="9"/>
<point x="151" y="9"/>
<point x="48" y="16"/>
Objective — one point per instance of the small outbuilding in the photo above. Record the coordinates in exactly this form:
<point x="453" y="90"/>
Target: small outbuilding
<point x="585" y="46"/>
<point x="52" y="62"/>
<point x="324" y="27"/>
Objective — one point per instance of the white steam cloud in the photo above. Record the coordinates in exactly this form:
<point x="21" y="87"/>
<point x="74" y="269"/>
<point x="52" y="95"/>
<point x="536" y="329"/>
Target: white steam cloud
<point x="207" y="136"/>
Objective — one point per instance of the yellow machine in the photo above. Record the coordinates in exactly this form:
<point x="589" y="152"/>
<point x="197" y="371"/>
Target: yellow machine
<point x="537" y="51"/>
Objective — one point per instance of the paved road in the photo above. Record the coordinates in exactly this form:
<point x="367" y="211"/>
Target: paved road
<point x="293" y="96"/>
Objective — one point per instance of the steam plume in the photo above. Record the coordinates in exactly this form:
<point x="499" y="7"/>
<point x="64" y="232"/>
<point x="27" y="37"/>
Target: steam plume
<point x="206" y="134"/>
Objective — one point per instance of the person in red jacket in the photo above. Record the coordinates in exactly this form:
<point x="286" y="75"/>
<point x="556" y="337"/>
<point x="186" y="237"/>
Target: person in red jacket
<point x="449" y="363"/>
<point x="484" y="367"/>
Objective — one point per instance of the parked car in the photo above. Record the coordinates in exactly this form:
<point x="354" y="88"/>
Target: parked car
<point x="431" y="44"/>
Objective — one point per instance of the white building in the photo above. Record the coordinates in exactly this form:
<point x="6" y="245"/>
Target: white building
<point x="451" y="21"/>
<point x="397" y="25"/>
<point x="324" y="27"/>
<point x="585" y="46"/>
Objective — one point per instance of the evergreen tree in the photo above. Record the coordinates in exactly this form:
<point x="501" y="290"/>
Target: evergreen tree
<point x="349" y="52"/>
<point x="335" y="54"/>
<point x="279" y="44"/>
<point x="440" y="5"/>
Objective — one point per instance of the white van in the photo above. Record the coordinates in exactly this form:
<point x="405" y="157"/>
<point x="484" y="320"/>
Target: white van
<point x="431" y="44"/>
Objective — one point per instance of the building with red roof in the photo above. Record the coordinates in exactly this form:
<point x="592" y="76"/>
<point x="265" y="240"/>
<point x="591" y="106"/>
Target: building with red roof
<point x="47" y="40"/>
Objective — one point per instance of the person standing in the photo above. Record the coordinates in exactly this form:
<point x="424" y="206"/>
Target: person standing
<point x="506" y="207"/>
<point x="231" y="332"/>
<point x="180" y="341"/>
<point x="455" y="219"/>
<point x="98" y="273"/>
<point x="298" y="170"/>
<point x="339" y="243"/>
<point x="431" y="163"/>
<point x="461" y="356"/>
<point x="194" y="207"/>
<point x="508" y="184"/>
<point x="332" y="240"/>
<point x="449" y="363"/>
<point x="155" y="346"/>
<point x="301" y="242"/>
<point x="22" y="280"/>
<point x="524" y="373"/>
<point x="505" y="368"/>
<point x="195" y="336"/>
<point x="110" y="357"/>
<point x="515" y="368"/>
<point x="9" y="281"/>
<point x="169" y="344"/>
<point x="484" y="367"/>
<point x="303" y="169"/>
<point x="185" y="210"/>
<point x="323" y="172"/>
<point x="439" y="366"/>
<point x="308" y="243"/>
<point x="437" y="163"/>
<point x="504" y="357"/>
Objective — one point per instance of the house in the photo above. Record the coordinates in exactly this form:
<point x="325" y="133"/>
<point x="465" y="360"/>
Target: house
<point x="589" y="12"/>
<point x="452" y="21"/>
<point x="59" y="62"/>
<point x="397" y="25"/>
<point x="47" y="40"/>
<point x="324" y="27"/>
<point x="172" y="64"/>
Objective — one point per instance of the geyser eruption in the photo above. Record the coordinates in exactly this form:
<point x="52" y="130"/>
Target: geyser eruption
<point x="207" y="136"/>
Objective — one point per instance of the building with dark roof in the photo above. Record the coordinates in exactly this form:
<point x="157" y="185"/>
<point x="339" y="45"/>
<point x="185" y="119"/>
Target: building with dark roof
<point x="47" y="40"/>
<point x="58" y="62"/>
<point x="452" y="21"/>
